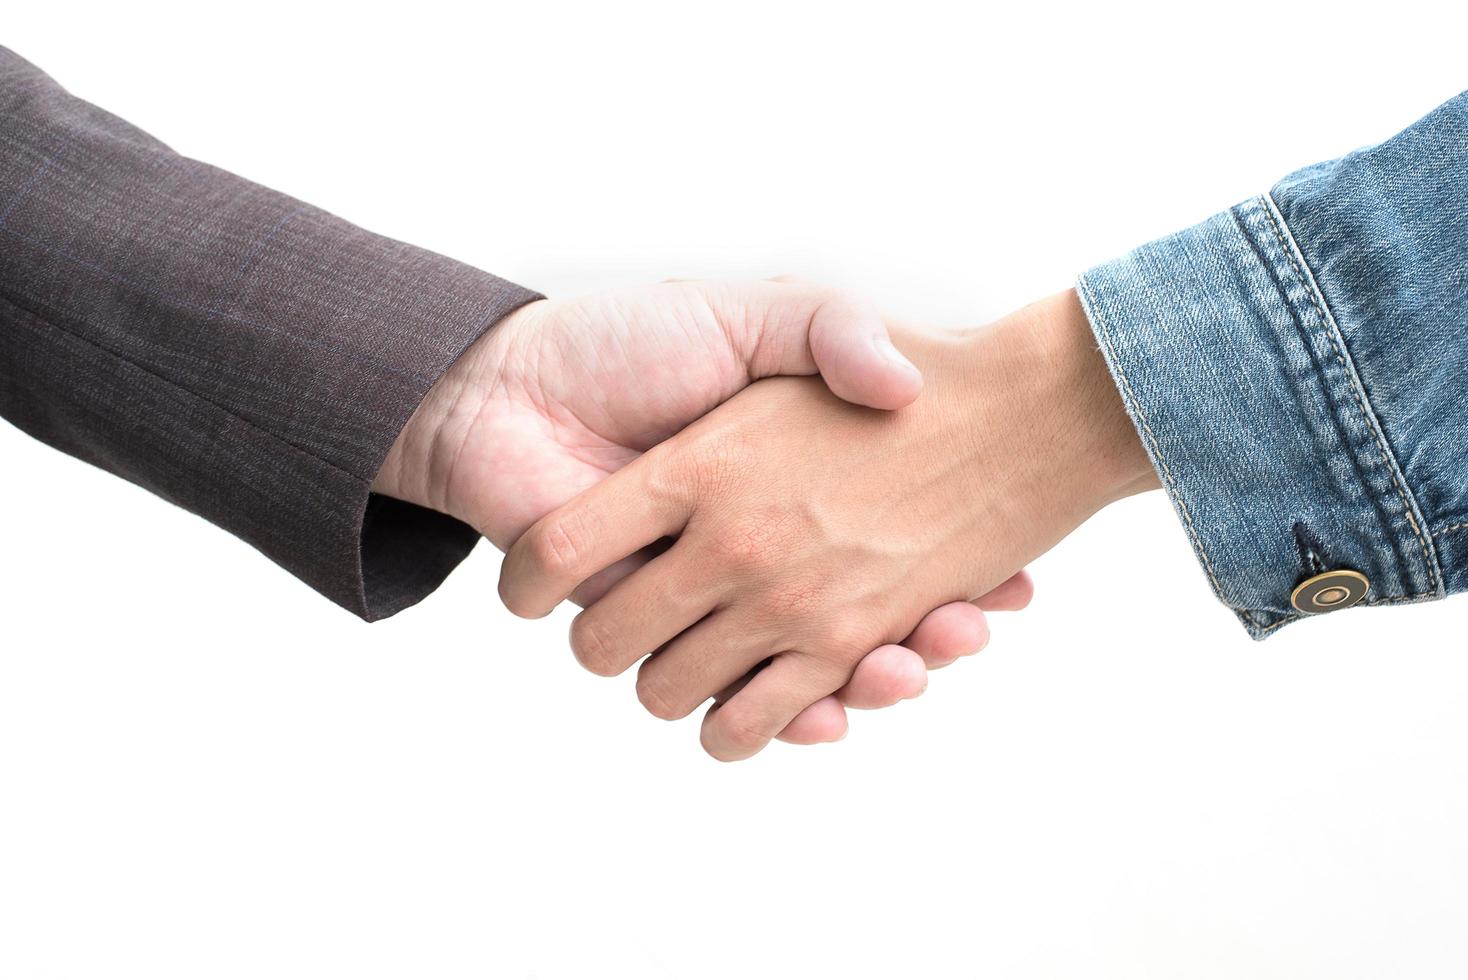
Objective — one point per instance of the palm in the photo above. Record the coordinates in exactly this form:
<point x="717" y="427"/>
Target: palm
<point x="577" y="389"/>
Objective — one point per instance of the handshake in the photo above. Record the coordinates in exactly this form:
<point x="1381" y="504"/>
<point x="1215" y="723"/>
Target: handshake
<point x="788" y="547"/>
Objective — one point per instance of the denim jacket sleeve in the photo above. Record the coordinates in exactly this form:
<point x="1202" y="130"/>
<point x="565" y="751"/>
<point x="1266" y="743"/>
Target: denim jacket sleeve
<point x="1297" y="368"/>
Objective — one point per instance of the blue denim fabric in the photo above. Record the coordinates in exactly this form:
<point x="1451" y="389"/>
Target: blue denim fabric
<point x="1297" y="368"/>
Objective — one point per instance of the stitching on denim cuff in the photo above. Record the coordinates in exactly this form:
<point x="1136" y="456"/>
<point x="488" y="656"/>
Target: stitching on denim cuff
<point x="1264" y="631"/>
<point x="1169" y="482"/>
<point x="1450" y="529"/>
<point x="1397" y="600"/>
<point x="1317" y="300"/>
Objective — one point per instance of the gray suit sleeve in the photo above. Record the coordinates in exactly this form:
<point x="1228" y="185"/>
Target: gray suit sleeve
<point x="241" y="354"/>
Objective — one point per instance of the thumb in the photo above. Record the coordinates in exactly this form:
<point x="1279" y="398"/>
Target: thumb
<point x="794" y="328"/>
<point x="853" y="351"/>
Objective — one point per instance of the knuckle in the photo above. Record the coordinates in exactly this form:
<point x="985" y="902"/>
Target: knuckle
<point x="555" y="546"/>
<point x="716" y="461"/>
<point x="665" y="481"/>
<point x="593" y="646"/>
<point x="659" y="702"/>
<point x="839" y="311"/>
<point x="753" y="543"/>
<point x="671" y="470"/>
<point x="699" y="466"/>
<point x="738" y="732"/>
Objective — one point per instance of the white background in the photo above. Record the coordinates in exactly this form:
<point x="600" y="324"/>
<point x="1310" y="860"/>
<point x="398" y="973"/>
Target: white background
<point x="1122" y="786"/>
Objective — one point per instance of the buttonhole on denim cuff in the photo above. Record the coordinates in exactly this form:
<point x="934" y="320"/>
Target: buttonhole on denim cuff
<point x="1312" y="554"/>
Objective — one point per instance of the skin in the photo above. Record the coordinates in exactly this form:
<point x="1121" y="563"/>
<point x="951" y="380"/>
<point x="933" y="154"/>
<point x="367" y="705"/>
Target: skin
<point x="561" y="394"/>
<point x="809" y="531"/>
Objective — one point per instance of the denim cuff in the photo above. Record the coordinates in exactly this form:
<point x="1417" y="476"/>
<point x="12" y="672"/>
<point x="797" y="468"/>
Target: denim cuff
<point x="1247" y="400"/>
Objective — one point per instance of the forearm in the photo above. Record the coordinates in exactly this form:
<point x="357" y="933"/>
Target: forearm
<point x="239" y="353"/>
<point x="1297" y="368"/>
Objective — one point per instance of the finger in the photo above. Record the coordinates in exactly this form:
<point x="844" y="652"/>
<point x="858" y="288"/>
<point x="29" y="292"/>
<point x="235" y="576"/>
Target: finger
<point x="960" y="629"/>
<point x="949" y="632"/>
<point x="746" y="723"/>
<point x="824" y="721"/>
<point x="796" y="328"/>
<point x="896" y="673"/>
<point x="699" y="664"/>
<point x="1015" y="593"/>
<point x="641" y="614"/>
<point x="885" y="676"/>
<point x="601" y="583"/>
<point x="738" y="685"/>
<point x="626" y="512"/>
<point x="857" y="359"/>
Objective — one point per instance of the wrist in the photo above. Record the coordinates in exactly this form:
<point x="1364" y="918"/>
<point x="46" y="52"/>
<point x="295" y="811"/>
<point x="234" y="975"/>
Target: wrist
<point x="1105" y="448"/>
<point x="1038" y="396"/>
<point x="420" y="466"/>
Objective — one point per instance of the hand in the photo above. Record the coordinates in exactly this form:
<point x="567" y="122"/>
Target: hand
<point x="562" y="393"/>
<point x="809" y="530"/>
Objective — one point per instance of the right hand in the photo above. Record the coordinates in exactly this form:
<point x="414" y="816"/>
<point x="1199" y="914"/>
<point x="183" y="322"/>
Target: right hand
<point x="564" y="392"/>
<point x="807" y="529"/>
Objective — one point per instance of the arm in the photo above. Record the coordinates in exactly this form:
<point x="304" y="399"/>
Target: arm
<point x="267" y="366"/>
<point x="263" y="363"/>
<point x="1292" y="371"/>
<point x="1297" y="367"/>
<point x="243" y="355"/>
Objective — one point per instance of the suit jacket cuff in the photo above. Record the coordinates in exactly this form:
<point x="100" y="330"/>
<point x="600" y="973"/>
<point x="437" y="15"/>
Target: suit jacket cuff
<point x="244" y="355"/>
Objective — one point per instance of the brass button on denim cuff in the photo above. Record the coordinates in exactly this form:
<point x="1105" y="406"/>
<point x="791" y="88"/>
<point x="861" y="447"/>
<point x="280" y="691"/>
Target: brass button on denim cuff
<point x="1330" y="591"/>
